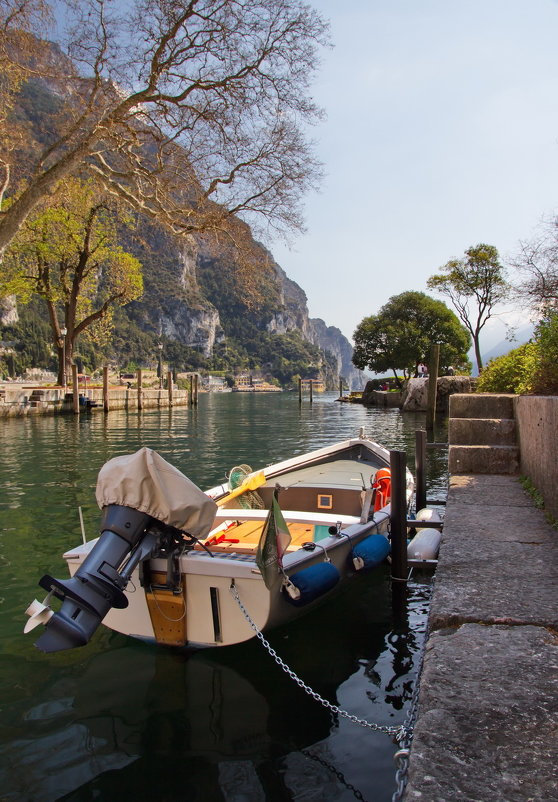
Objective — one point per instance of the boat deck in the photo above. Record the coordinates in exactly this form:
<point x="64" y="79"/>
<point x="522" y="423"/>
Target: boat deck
<point x="343" y="474"/>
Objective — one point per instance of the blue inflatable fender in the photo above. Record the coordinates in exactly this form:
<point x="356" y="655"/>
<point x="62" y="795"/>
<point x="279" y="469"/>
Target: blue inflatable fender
<point x="370" y="552"/>
<point x="311" y="583"/>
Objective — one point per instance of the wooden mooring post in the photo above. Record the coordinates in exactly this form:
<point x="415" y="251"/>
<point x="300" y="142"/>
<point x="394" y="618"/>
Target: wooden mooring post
<point x="169" y="387"/>
<point x="433" y="366"/>
<point x="140" y="391"/>
<point x="420" y="469"/>
<point x="399" y="566"/>
<point x="75" y="389"/>
<point x="300" y="391"/>
<point x="106" y="405"/>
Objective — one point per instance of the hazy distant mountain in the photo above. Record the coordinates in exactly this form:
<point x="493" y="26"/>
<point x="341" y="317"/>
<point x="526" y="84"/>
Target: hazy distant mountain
<point x="522" y="335"/>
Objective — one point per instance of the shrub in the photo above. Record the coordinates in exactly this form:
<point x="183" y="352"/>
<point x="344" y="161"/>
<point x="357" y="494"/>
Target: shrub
<point x="545" y="379"/>
<point x="512" y="373"/>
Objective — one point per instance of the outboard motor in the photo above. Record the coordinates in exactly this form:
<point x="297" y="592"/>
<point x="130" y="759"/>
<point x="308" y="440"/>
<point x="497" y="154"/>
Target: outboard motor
<point x="148" y="506"/>
<point x="99" y="582"/>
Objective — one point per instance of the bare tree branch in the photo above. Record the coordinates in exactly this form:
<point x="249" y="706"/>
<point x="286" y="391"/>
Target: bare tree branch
<point x="174" y="102"/>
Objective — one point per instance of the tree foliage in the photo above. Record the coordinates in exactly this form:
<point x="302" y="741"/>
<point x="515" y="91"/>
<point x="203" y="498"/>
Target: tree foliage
<point x="531" y="368"/>
<point x="510" y="373"/>
<point x="189" y="110"/>
<point x="545" y="379"/>
<point x="474" y="285"/>
<point x="67" y="253"/>
<point x="402" y="333"/>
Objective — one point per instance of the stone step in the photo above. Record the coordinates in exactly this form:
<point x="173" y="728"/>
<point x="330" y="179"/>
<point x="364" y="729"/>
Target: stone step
<point x="481" y="405"/>
<point x="482" y="431"/>
<point x="483" y="459"/>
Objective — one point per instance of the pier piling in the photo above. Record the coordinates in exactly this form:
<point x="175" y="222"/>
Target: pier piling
<point x="106" y="405"/>
<point x="420" y="469"/>
<point x="399" y="566"/>
<point x="433" y="367"/>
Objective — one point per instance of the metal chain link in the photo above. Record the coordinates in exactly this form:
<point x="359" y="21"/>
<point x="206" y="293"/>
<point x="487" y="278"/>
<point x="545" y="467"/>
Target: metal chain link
<point x="398" y="733"/>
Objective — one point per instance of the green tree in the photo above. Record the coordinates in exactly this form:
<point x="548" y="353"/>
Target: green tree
<point x="67" y="253"/>
<point x="401" y="334"/>
<point x="474" y="285"/>
<point x="531" y="368"/>
<point x="545" y="380"/>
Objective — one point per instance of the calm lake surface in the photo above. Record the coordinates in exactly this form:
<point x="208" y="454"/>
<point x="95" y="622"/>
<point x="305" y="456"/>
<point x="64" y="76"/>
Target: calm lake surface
<point x="118" y="719"/>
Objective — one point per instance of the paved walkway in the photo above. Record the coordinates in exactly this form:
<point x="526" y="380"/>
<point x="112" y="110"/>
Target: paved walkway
<point x="487" y="726"/>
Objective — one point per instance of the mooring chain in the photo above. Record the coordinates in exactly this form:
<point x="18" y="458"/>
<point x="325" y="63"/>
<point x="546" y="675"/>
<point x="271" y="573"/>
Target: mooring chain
<point x="398" y="733"/>
<point x="402" y="755"/>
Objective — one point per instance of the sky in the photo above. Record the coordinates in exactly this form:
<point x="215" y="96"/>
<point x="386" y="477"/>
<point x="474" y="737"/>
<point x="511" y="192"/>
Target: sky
<point x="441" y="133"/>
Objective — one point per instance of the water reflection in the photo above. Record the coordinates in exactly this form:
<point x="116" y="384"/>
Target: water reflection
<point x="133" y="718"/>
<point x="120" y="719"/>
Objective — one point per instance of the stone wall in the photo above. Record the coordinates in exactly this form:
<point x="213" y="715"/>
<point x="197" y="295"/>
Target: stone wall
<point x="18" y="400"/>
<point x="537" y="424"/>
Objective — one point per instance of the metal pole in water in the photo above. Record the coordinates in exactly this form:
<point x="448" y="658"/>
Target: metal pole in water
<point x="398" y="465"/>
<point x="420" y="469"/>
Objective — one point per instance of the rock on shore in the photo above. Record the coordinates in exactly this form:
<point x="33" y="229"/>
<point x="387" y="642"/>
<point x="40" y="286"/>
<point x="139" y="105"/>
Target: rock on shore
<point x="415" y="395"/>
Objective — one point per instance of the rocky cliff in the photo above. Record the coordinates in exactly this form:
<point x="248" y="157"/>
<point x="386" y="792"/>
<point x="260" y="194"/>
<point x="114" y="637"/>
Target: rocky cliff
<point x="201" y="291"/>
<point x="293" y="314"/>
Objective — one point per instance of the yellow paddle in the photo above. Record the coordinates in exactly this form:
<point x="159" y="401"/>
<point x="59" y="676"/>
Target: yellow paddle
<point x="250" y="483"/>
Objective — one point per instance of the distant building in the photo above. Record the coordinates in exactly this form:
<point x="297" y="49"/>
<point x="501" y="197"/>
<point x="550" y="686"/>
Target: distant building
<point x="216" y="384"/>
<point x="246" y="383"/>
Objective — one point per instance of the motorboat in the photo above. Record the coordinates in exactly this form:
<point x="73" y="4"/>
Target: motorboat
<point x="185" y="568"/>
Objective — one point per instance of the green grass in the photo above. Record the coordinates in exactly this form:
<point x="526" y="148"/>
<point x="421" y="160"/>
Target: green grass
<point x="538" y="500"/>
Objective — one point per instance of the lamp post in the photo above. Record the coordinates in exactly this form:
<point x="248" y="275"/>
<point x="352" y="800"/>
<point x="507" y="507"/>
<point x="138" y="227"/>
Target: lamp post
<point x="63" y="332"/>
<point x="160" y="347"/>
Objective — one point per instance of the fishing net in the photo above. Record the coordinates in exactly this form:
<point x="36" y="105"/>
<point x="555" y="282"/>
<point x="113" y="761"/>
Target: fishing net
<point x="250" y="500"/>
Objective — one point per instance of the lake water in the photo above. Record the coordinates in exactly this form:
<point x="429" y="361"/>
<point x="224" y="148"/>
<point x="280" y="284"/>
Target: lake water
<point x="121" y="720"/>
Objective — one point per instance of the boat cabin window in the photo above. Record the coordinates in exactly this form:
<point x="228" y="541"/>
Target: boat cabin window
<point x="325" y="502"/>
